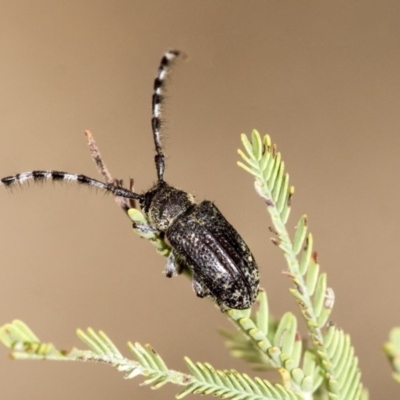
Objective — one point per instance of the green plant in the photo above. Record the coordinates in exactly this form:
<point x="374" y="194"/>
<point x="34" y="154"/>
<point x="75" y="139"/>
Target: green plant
<point x="323" y="367"/>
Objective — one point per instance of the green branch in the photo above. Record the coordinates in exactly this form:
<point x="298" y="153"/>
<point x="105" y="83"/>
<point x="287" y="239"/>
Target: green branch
<point x="202" y="377"/>
<point x="310" y="290"/>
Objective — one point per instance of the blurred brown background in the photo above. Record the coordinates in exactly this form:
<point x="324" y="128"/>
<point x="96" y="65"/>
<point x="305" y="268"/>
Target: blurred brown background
<point x="321" y="77"/>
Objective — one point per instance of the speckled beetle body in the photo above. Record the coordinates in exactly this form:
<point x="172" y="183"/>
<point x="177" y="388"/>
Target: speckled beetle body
<point x="221" y="263"/>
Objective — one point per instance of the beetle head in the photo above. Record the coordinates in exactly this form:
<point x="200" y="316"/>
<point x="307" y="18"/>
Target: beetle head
<point x="163" y="203"/>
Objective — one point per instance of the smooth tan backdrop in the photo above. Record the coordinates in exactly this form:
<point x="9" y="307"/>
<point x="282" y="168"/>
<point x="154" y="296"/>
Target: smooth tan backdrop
<point x="321" y="77"/>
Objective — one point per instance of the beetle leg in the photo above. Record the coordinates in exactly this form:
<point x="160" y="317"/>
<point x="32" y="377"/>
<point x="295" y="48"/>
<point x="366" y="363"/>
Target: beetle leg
<point x="202" y="291"/>
<point x="144" y="229"/>
<point x="199" y="289"/>
<point x="222" y="306"/>
<point x="173" y="266"/>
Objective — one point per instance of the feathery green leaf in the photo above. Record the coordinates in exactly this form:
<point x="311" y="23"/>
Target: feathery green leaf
<point x="311" y="292"/>
<point x="203" y="378"/>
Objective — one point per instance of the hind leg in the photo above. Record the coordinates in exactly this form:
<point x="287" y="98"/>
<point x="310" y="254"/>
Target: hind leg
<point x="201" y="291"/>
<point x="199" y="288"/>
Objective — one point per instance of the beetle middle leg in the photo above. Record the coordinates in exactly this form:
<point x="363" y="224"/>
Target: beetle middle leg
<point x="174" y="266"/>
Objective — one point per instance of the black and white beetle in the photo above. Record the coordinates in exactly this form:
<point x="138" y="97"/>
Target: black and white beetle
<point x="221" y="263"/>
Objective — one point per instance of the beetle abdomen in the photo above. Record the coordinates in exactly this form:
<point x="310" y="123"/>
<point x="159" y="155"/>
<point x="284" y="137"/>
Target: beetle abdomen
<point x="220" y="260"/>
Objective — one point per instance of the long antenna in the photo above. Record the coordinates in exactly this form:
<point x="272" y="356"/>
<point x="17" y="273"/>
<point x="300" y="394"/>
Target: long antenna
<point x="59" y="176"/>
<point x="158" y="97"/>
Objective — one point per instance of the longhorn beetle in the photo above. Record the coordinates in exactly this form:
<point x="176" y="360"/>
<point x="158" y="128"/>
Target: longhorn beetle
<point x="201" y="239"/>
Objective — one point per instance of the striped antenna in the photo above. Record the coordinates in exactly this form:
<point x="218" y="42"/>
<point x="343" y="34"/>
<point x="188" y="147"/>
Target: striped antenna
<point x="158" y="97"/>
<point x="59" y="176"/>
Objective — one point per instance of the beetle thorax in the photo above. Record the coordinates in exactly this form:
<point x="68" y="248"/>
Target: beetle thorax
<point x="163" y="204"/>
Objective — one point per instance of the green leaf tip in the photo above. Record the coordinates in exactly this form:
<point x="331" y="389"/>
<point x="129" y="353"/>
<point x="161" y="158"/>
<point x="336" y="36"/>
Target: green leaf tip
<point x="392" y="351"/>
<point x="16" y="333"/>
<point x="261" y="160"/>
